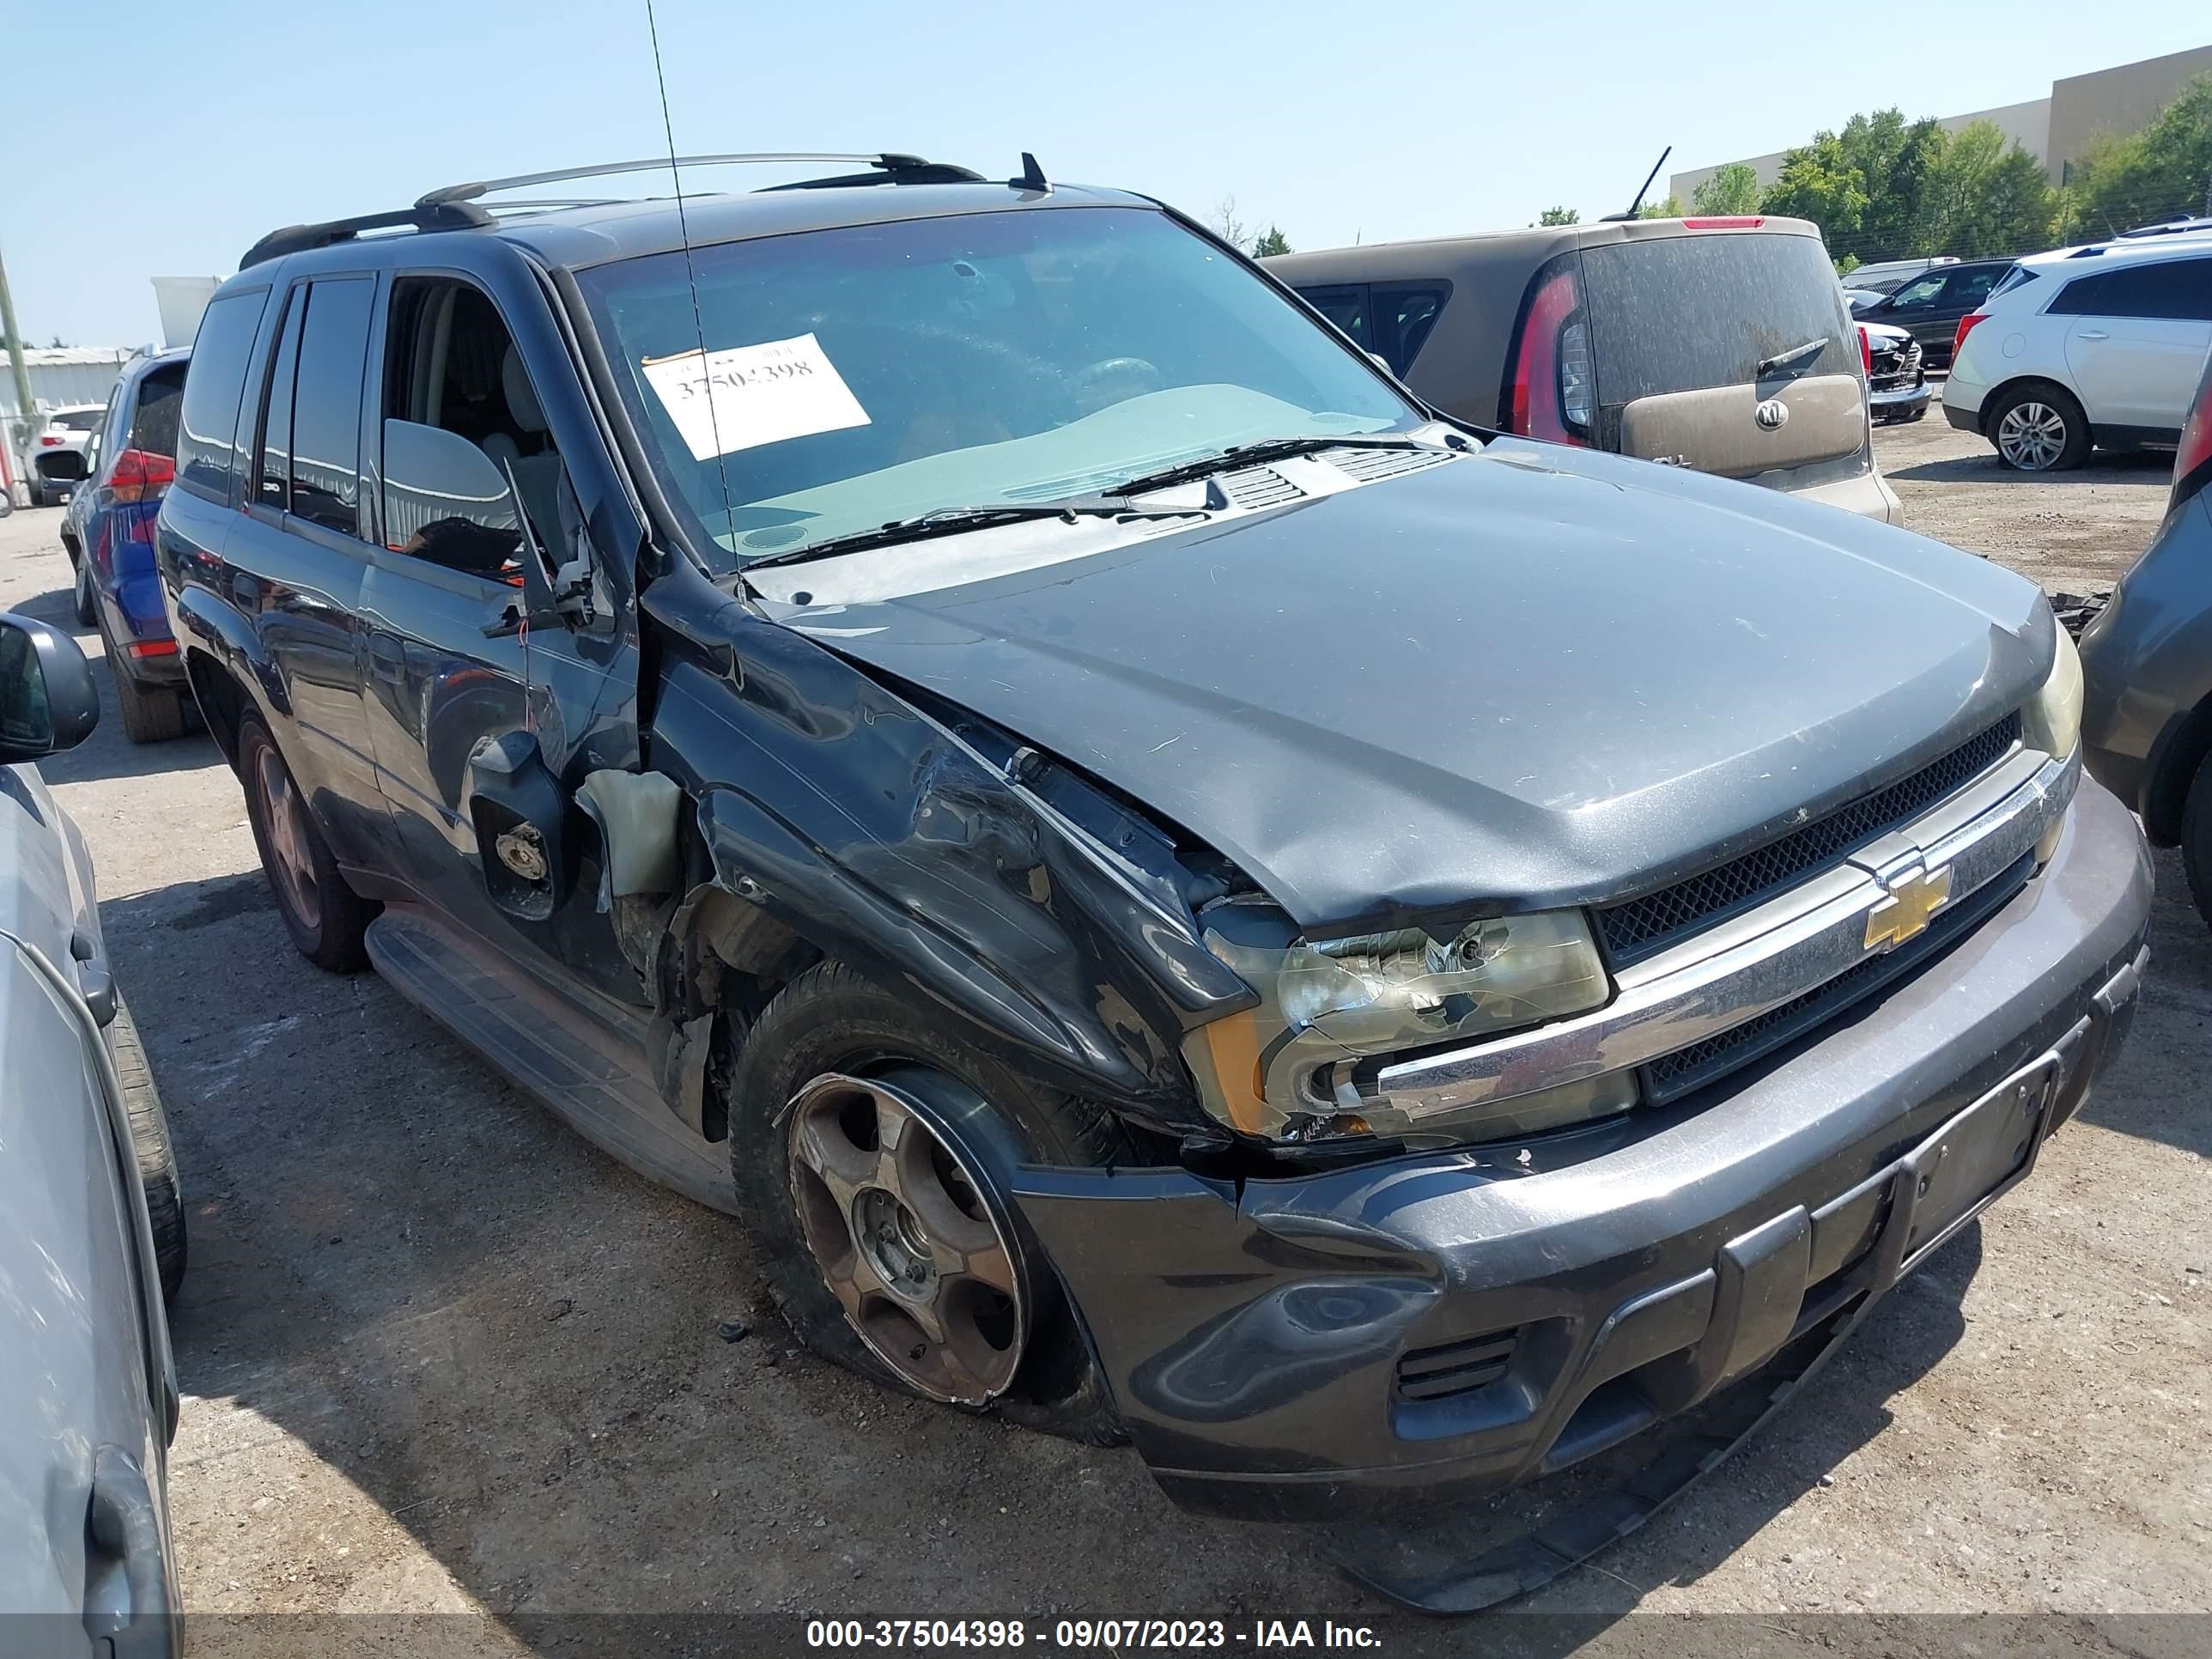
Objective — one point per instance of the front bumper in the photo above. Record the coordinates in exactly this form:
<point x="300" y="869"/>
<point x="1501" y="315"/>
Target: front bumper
<point x="1905" y="402"/>
<point x="1297" y="1350"/>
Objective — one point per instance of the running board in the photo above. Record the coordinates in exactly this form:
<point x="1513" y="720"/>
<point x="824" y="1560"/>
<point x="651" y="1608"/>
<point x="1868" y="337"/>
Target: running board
<point x="593" y="1078"/>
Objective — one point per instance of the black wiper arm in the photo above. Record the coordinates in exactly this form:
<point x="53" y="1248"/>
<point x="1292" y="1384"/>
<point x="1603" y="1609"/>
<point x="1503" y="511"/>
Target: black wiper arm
<point x="1251" y="454"/>
<point x="952" y="520"/>
<point x="1790" y="359"/>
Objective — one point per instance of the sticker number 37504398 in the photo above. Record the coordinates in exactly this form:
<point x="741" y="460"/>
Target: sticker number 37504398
<point x="745" y="396"/>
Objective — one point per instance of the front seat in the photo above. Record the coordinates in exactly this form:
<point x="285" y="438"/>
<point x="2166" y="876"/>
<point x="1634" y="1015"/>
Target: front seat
<point x="537" y="476"/>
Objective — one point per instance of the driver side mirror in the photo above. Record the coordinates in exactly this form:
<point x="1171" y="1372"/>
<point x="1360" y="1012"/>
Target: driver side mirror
<point x="48" y="702"/>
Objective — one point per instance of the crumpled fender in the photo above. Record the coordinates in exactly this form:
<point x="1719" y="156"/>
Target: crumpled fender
<point x="868" y="828"/>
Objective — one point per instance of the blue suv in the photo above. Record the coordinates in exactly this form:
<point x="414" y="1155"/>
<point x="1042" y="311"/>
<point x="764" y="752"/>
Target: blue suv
<point x="109" y="536"/>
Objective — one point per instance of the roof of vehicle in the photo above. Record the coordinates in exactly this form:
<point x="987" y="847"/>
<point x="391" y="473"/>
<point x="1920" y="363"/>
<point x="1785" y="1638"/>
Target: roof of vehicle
<point x="2179" y="246"/>
<point x="1531" y="246"/>
<point x="577" y="234"/>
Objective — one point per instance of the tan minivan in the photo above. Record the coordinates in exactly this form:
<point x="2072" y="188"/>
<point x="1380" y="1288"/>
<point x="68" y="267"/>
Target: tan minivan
<point x="1718" y="343"/>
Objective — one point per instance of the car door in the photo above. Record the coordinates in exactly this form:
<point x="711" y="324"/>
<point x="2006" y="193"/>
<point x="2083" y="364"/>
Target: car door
<point x="296" y="555"/>
<point x="1965" y="289"/>
<point x="2135" y="342"/>
<point x="1917" y="308"/>
<point x="472" y="359"/>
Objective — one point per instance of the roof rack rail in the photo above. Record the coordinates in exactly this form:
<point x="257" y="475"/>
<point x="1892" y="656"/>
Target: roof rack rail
<point x="459" y="207"/>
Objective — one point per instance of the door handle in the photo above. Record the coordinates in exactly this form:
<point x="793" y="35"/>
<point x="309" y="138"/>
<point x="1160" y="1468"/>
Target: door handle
<point x="2093" y="334"/>
<point x="121" y="1526"/>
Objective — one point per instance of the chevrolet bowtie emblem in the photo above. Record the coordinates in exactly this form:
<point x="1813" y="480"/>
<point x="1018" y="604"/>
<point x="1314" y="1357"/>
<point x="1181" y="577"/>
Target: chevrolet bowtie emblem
<point x="1914" y="896"/>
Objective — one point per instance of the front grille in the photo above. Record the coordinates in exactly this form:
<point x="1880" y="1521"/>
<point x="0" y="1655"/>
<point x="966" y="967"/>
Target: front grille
<point x="1642" y="925"/>
<point x="1702" y="1062"/>
<point x="1453" y="1368"/>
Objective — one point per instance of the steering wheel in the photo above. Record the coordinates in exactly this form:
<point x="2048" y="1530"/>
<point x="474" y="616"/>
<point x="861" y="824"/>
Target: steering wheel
<point x="1111" y="379"/>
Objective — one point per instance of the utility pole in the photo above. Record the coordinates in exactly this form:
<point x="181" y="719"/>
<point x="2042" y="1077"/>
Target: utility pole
<point x="16" y="363"/>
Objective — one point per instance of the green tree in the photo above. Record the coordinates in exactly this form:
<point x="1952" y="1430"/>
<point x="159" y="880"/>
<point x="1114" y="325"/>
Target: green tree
<point x="1558" y="215"/>
<point x="1732" y="189"/>
<point x="1986" y="195"/>
<point x="1669" y="209"/>
<point x="1270" y="242"/>
<point x="1893" y="158"/>
<point x="2164" y="170"/>
<point x="1818" y="182"/>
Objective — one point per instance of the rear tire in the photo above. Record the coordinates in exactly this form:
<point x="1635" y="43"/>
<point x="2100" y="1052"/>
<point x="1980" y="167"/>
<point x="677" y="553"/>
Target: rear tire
<point x="149" y="1138"/>
<point x="2196" y="839"/>
<point x="87" y="606"/>
<point x="2038" y="427"/>
<point x="830" y="1020"/>
<point x="325" y="917"/>
<point x="151" y="713"/>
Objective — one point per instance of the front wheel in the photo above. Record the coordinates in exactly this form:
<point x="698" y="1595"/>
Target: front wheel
<point x="326" y="918"/>
<point x="873" y="1156"/>
<point x="2039" y="428"/>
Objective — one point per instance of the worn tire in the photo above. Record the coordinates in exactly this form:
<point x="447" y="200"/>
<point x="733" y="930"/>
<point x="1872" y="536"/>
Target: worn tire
<point x="151" y="713"/>
<point x="2073" y="450"/>
<point x="149" y="1138"/>
<point x="2196" y="839"/>
<point x="333" y="939"/>
<point x="832" y="1020"/>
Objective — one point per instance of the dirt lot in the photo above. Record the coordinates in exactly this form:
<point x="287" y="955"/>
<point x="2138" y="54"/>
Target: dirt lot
<point x="438" y="1355"/>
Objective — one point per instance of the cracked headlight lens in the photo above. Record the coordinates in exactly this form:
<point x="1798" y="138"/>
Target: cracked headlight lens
<point x="1326" y="1002"/>
<point x="2052" y="719"/>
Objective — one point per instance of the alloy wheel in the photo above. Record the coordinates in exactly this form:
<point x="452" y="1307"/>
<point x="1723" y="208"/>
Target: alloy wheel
<point x="896" y="1219"/>
<point x="2031" y="435"/>
<point x="284" y="816"/>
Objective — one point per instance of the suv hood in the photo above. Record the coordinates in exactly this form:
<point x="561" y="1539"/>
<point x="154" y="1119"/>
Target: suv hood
<point x="1531" y="678"/>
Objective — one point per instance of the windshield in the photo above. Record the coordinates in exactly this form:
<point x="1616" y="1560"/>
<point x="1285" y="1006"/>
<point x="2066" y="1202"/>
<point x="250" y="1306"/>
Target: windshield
<point x="855" y="377"/>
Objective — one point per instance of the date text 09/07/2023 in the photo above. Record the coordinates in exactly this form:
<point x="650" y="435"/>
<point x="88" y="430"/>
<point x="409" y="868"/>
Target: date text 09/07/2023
<point x="1079" y="1634"/>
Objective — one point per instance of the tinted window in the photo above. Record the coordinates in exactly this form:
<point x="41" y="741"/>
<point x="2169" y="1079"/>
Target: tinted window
<point x="1968" y="288"/>
<point x="274" y="470"/>
<point x="1681" y="314"/>
<point x="1345" y="306"/>
<point x="80" y="420"/>
<point x="326" y="404"/>
<point x="209" y="422"/>
<point x="2172" y="289"/>
<point x="1412" y="313"/>
<point x="154" y="425"/>
<point x="2018" y="276"/>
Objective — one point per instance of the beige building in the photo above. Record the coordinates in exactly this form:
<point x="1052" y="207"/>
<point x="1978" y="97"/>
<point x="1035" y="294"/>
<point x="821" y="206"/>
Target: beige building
<point x="2055" y="130"/>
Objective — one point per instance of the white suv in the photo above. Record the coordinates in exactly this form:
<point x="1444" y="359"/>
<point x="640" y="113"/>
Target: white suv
<point x="2098" y="345"/>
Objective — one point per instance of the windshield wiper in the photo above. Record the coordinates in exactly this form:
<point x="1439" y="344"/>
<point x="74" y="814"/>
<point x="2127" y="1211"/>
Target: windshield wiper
<point x="1251" y="454"/>
<point x="952" y="520"/>
<point x="1790" y="359"/>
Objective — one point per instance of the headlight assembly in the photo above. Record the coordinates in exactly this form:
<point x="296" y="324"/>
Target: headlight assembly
<point x="2052" y="719"/>
<point x="1283" y="1069"/>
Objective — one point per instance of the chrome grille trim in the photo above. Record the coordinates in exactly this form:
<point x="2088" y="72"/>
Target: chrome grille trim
<point x="1757" y="962"/>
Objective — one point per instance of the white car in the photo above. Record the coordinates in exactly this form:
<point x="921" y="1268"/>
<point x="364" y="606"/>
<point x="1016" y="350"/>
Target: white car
<point x="60" y="452"/>
<point x="2091" y="346"/>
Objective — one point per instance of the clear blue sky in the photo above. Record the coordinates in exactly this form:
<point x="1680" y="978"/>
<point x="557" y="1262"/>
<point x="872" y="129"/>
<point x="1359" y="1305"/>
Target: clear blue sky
<point x="181" y="132"/>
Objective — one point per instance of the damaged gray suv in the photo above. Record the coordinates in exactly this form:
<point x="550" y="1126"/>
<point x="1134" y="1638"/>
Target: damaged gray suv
<point x="1172" y="891"/>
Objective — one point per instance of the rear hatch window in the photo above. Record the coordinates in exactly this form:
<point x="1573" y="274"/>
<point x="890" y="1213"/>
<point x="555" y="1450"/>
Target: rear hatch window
<point x="154" y="428"/>
<point x="1691" y="334"/>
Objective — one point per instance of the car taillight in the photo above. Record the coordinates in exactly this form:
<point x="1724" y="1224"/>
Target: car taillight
<point x="1966" y="327"/>
<point x="2192" y="462"/>
<point x="1866" y="351"/>
<point x="47" y="440"/>
<point x="1550" y="393"/>
<point x="141" y="475"/>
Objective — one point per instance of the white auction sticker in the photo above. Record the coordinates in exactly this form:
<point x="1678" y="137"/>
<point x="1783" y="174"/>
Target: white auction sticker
<point x="745" y="396"/>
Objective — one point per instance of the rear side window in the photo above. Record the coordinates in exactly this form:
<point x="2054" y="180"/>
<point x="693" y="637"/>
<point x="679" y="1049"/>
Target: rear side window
<point x="208" y="423"/>
<point x="1681" y="314"/>
<point x="154" y="422"/>
<point x="2170" y="289"/>
<point x="80" y="420"/>
<point x="1391" y="320"/>
<point x="2018" y="276"/>
<point x="326" y="404"/>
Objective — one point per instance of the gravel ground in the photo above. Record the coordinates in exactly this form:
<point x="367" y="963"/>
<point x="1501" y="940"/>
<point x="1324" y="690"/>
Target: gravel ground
<point x="438" y="1355"/>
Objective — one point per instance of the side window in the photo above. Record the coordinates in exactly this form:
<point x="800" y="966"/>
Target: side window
<point x="206" y="443"/>
<point x="333" y="357"/>
<point x="2169" y="290"/>
<point x="1345" y="306"/>
<point x="1920" y="291"/>
<point x="273" y="473"/>
<point x="1970" y="289"/>
<point x="468" y="455"/>
<point x="1410" y="312"/>
<point x="2082" y="297"/>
